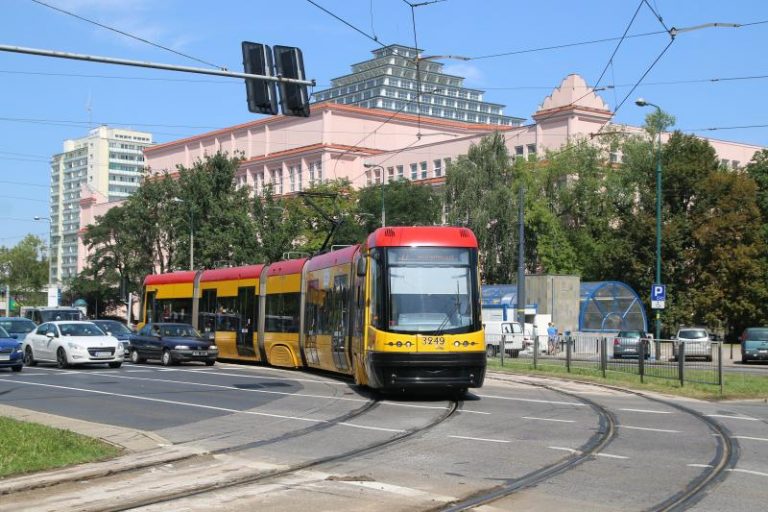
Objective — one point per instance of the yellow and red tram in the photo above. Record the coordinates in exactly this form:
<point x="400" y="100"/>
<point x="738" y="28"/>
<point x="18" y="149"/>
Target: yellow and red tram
<point x="401" y="310"/>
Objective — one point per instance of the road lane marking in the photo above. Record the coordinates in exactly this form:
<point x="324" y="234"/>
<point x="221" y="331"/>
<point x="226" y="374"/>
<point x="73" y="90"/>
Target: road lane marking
<point x="747" y="418"/>
<point x="174" y="402"/>
<point x="262" y="391"/>
<point x="650" y="411"/>
<point x="611" y="456"/>
<point x="747" y="471"/>
<point x="548" y="419"/>
<point x="533" y="400"/>
<point x="481" y="439"/>
<point x="564" y="449"/>
<point x="365" y="427"/>
<point x="651" y="429"/>
<point x="750" y="438"/>
<point x="700" y="465"/>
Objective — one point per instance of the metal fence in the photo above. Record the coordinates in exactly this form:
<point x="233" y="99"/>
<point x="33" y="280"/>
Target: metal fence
<point x="683" y="361"/>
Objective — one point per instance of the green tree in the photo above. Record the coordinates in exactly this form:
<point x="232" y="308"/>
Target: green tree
<point x="479" y="194"/>
<point x="757" y="169"/>
<point x="210" y="203"/>
<point x="26" y="271"/>
<point x="406" y="204"/>
<point x="275" y="225"/>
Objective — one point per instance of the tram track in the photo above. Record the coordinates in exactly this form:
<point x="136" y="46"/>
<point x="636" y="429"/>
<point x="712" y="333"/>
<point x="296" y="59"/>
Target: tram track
<point x="605" y="433"/>
<point x="726" y="455"/>
<point x="260" y="477"/>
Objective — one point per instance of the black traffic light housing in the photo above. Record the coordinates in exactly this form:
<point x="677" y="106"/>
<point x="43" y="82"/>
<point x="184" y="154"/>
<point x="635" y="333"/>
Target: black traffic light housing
<point x="294" y="99"/>
<point x="261" y="94"/>
<point x="288" y="62"/>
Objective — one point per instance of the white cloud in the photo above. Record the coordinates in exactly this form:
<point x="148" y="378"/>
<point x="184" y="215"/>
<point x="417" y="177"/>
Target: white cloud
<point x="472" y="73"/>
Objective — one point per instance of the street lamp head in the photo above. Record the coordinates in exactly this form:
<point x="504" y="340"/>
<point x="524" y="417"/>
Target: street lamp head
<point x="371" y="166"/>
<point x="640" y="102"/>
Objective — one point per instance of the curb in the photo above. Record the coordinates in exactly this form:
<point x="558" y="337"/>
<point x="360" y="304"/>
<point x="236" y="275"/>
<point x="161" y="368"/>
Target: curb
<point x="143" y="449"/>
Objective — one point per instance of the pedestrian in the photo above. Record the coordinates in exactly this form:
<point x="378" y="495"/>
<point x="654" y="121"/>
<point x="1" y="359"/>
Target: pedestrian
<point x="552" y="338"/>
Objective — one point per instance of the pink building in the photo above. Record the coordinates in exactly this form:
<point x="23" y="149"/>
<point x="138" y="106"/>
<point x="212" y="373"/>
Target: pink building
<point x="337" y="141"/>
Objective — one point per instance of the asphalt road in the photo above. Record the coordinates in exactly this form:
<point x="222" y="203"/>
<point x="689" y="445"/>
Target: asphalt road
<point x="255" y="419"/>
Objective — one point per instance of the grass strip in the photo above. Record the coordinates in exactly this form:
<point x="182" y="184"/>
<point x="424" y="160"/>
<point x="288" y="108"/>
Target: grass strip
<point x="739" y="386"/>
<point x="26" y="447"/>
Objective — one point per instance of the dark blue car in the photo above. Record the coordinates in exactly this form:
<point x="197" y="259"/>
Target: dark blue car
<point x="11" y="355"/>
<point x="117" y="330"/>
<point x="17" y="327"/>
<point x="171" y="343"/>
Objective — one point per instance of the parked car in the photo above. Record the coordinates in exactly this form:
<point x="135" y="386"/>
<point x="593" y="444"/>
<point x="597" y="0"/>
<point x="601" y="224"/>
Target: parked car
<point x="119" y="330"/>
<point x="53" y="314"/>
<point x="172" y="343"/>
<point x="17" y="327"/>
<point x="697" y="343"/>
<point x="71" y="343"/>
<point x="11" y="355"/>
<point x="628" y="343"/>
<point x="754" y="344"/>
<point x="510" y="332"/>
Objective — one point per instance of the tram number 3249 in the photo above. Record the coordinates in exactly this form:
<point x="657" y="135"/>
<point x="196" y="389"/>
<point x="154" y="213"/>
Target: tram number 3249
<point x="433" y="340"/>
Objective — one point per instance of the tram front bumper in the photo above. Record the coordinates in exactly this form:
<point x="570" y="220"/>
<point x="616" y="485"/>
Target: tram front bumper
<point x="421" y="370"/>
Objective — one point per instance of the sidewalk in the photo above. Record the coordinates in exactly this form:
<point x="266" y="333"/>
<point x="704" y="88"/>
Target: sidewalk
<point x="142" y="449"/>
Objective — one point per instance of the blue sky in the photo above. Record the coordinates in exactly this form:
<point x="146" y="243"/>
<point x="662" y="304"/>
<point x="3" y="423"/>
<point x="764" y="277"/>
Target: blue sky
<point x="44" y="101"/>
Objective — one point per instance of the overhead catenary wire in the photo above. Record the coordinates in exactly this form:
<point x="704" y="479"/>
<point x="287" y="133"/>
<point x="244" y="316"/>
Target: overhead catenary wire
<point x="618" y="45"/>
<point x="364" y="33"/>
<point x="124" y="33"/>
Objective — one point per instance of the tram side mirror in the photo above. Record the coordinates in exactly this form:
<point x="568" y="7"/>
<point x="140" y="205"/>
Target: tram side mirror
<point x="361" y="267"/>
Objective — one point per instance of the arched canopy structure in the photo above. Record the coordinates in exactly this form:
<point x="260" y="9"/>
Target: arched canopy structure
<point x="610" y="306"/>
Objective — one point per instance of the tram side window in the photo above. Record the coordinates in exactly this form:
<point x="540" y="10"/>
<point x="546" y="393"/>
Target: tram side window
<point x="377" y="288"/>
<point x="282" y="312"/>
<point x="208" y="301"/>
<point x="173" y="310"/>
<point x="226" y="309"/>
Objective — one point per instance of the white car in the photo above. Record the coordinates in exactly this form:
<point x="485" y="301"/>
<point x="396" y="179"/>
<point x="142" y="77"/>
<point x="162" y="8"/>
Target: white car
<point x="68" y="343"/>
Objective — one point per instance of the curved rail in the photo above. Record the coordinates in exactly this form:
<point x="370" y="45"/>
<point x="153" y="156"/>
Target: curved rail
<point x="595" y="444"/>
<point x="259" y="477"/>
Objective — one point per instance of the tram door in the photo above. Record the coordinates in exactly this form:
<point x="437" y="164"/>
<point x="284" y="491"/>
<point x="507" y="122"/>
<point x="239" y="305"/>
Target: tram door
<point x="246" y="298"/>
<point x="340" y="322"/>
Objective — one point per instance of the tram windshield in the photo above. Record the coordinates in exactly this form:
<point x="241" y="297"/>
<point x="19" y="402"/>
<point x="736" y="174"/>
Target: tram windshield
<point x="431" y="290"/>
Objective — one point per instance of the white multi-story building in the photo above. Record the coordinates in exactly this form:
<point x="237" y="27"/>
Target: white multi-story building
<point x="108" y="161"/>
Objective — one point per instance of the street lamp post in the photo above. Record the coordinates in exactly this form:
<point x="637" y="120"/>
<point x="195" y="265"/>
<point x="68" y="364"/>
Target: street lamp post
<point x="50" y="242"/>
<point x="640" y="102"/>
<point x="383" y="210"/>
<point x="191" y="236"/>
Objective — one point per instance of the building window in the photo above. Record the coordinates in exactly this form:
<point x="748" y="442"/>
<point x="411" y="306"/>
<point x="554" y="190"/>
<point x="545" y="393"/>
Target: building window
<point x="400" y="173"/>
<point x="519" y="150"/>
<point x="438" y="167"/>
<point x="423" y="170"/>
<point x="368" y="178"/>
<point x="292" y="178"/>
<point x="377" y="174"/>
<point x="531" y="149"/>
<point x="414" y="171"/>
<point x="390" y="173"/>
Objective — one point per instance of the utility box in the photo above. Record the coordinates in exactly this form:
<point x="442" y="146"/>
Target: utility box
<point x="555" y="295"/>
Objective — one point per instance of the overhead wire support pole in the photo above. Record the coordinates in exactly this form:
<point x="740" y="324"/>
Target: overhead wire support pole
<point x="151" y="65"/>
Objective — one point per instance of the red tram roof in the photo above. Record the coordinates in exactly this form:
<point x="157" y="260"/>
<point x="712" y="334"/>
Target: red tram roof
<point x="233" y="273"/>
<point x="332" y="258"/>
<point x="422" y="236"/>
<point x="283" y="268"/>
<point x="186" y="276"/>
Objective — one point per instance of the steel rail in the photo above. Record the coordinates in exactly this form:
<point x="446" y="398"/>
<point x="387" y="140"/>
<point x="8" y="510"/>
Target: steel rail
<point x="606" y="432"/>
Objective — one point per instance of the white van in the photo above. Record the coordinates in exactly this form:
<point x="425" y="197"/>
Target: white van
<point x="510" y="333"/>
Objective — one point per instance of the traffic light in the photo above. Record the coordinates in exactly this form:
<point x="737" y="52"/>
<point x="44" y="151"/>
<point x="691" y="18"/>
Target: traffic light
<point x="294" y="99"/>
<point x="261" y="94"/>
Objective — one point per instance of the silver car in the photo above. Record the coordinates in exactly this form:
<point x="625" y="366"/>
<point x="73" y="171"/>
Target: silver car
<point x="698" y="343"/>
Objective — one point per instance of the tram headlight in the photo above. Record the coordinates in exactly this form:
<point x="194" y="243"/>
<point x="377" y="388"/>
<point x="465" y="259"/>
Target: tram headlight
<point x="408" y="344"/>
<point x="399" y="343"/>
<point x="466" y="343"/>
<point x="456" y="343"/>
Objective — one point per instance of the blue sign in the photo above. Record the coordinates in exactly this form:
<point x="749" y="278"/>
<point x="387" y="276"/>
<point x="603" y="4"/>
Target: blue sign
<point x="658" y="296"/>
